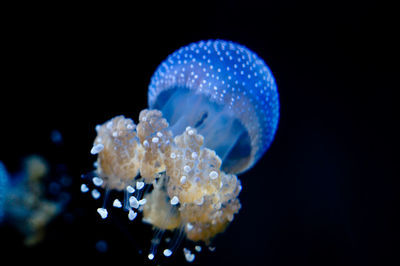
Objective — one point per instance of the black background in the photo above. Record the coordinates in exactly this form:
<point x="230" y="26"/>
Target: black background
<point x="322" y="195"/>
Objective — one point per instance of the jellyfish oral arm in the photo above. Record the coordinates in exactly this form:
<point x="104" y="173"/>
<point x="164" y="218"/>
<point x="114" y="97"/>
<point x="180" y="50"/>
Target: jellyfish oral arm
<point x="189" y="186"/>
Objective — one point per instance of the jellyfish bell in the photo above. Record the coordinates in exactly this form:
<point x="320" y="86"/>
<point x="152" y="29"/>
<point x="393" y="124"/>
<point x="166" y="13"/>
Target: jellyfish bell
<point x="226" y="92"/>
<point x="213" y="112"/>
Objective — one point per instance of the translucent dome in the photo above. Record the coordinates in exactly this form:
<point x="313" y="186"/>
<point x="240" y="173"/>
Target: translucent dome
<point x="223" y="90"/>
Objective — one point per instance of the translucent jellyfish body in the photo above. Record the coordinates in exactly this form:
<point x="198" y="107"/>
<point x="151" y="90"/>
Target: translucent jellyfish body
<point x="226" y="92"/>
<point x="213" y="113"/>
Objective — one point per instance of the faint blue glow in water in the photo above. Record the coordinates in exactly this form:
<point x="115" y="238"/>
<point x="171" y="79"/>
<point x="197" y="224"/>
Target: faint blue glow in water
<point x="3" y="189"/>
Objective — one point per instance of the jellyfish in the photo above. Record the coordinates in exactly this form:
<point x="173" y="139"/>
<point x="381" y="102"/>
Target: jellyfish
<point x="3" y="189"/>
<point x="213" y="112"/>
<point x="23" y="199"/>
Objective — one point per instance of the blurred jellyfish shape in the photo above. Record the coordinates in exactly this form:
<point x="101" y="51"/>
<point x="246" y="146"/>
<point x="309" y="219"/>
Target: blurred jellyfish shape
<point x="3" y="189"/>
<point x="23" y="199"/>
<point x="213" y="112"/>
